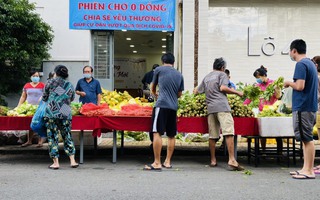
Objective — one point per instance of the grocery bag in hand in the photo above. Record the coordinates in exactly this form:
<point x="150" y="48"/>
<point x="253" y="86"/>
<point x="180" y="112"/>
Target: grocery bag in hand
<point x="37" y="123"/>
<point x="286" y="101"/>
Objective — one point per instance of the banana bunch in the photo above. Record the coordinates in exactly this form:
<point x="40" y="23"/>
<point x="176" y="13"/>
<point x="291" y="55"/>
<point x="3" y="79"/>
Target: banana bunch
<point x="117" y="99"/>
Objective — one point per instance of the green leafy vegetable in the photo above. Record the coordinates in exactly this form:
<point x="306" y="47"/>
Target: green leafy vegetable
<point x="269" y="92"/>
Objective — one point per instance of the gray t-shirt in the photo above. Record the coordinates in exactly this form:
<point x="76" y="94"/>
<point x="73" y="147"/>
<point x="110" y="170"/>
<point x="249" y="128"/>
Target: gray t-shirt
<point x="216" y="100"/>
<point x="170" y="82"/>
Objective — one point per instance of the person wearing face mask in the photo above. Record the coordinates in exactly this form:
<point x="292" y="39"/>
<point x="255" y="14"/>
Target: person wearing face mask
<point x="304" y="105"/>
<point x="263" y="82"/>
<point x="32" y="92"/>
<point x="88" y="88"/>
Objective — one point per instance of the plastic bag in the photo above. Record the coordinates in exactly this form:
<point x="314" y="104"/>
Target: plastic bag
<point x="286" y="101"/>
<point x="37" y="122"/>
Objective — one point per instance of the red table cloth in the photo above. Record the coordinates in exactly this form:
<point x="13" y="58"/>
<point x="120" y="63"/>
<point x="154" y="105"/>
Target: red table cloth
<point x="23" y="123"/>
<point x="243" y="126"/>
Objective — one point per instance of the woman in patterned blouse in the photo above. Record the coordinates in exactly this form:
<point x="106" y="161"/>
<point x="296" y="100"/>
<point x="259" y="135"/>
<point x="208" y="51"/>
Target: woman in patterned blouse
<point x="58" y="95"/>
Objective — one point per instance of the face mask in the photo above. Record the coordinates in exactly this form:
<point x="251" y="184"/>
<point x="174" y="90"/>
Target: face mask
<point x="259" y="80"/>
<point x="87" y="75"/>
<point x="35" y="79"/>
<point x="292" y="58"/>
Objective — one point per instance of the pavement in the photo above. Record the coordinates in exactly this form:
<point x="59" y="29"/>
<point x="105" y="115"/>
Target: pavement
<point x="24" y="174"/>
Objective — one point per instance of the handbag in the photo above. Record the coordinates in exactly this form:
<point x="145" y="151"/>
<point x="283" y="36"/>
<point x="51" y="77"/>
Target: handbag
<point x="37" y="122"/>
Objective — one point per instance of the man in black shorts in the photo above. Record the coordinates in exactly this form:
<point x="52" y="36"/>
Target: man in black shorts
<point x="164" y="115"/>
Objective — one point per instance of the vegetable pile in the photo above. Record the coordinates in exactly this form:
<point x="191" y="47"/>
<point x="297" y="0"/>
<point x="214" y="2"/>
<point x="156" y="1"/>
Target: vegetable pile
<point x="3" y="110"/>
<point x="238" y="109"/>
<point x="24" y="109"/>
<point x="190" y="105"/>
<point x="75" y="108"/>
<point x="274" y="110"/>
<point x="133" y="136"/>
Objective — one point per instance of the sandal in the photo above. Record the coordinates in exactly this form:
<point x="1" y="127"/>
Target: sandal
<point x="303" y="176"/>
<point x="26" y="144"/>
<point x="51" y="167"/>
<point x="235" y="168"/>
<point x="151" y="168"/>
<point x="167" y="167"/>
<point x="316" y="168"/>
<point x="294" y="173"/>
<point x="39" y="145"/>
<point x="213" y="165"/>
<point x="74" y="166"/>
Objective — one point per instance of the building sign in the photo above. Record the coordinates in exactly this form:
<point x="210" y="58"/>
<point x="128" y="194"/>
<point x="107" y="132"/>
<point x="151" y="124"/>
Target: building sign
<point x="150" y="15"/>
<point x="268" y="47"/>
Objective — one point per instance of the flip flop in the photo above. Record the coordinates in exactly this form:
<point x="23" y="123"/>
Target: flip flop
<point x="317" y="171"/>
<point x="303" y="176"/>
<point x="167" y="167"/>
<point x="213" y="165"/>
<point x="74" y="166"/>
<point x="316" y="168"/>
<point x="235" y="168"/>
<point x="25" y="145"/>
<point x="54" y="168"/>
<point x="151" y="168"/>
<point x="294" y="173"/>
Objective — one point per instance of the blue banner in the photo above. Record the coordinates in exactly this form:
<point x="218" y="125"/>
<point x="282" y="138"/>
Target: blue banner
<point x="149" y="15"/>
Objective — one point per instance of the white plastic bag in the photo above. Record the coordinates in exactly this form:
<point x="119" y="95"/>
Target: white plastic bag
<point x="286" y="101"/>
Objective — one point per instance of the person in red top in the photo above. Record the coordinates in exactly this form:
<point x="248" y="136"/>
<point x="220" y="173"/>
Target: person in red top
<point x="263" y="82"/>
<point x="32" y="92"/>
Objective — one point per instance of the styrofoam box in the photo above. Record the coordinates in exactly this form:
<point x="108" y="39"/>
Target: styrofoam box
<point x="275" y="126"/>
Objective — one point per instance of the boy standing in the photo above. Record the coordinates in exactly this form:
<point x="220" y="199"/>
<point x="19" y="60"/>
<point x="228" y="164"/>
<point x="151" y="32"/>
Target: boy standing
<point x="164" y="115"/>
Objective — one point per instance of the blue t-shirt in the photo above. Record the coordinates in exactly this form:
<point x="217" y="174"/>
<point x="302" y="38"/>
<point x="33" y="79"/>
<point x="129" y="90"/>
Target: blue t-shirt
<point x="170" y="82"/>
<point x="307" y="99"/>
<point x="92" y="89"/>
<point x="231" y="85"/>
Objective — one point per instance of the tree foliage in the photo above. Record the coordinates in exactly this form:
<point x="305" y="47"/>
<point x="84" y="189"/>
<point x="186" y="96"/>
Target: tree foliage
<point x="25" y="40"/>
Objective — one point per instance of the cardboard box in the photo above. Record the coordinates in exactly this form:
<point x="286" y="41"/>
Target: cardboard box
<point x="88" y="139"/>
<point x="275" y="126"/>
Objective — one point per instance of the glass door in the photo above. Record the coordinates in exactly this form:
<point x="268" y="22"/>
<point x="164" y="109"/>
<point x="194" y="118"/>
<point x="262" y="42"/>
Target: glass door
<point x="102" y="58"/>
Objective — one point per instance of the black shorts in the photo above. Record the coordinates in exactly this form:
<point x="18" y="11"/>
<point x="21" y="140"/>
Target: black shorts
<point x="164" y="120"/>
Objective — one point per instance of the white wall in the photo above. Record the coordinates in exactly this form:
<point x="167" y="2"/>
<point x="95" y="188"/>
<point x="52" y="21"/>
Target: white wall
<point x="188" y="44"/>
<point x="282" y="20"/>
<point x="72" y="45"/>
<point x="223" y="30"/>
<point x="188" y="48"/>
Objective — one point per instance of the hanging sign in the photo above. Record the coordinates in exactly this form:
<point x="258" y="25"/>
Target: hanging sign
<point x="150" y="15"/>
